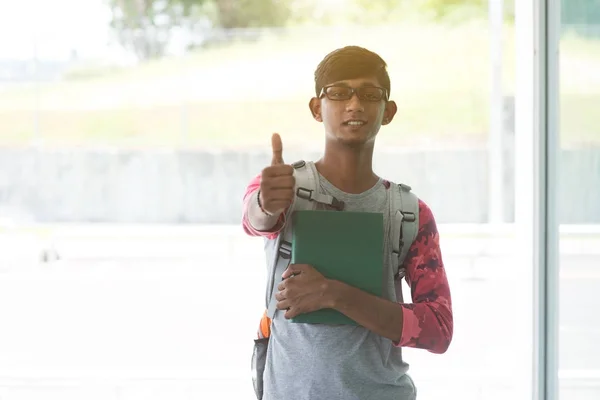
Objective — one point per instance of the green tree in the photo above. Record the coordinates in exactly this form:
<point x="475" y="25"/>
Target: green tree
<point x="252" y="13"/>
<point x="145" y="26"/>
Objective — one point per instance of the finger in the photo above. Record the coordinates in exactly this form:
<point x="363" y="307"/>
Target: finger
<point x="279" y="182"/>
<point x="293" y="270"/>
<point x="291" y="313"/>
<point x="278" y="195"/>
<point x="277" y="149"/>
<point x="298" y="268"/>
<point x="288" y="273"/>
<point x="283" y="305"/>
<point x="280" y="296"/>
<point x="278" y="170"/>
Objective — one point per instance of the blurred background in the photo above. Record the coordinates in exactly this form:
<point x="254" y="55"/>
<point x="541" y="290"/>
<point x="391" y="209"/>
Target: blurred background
<point x="129" y="130"/>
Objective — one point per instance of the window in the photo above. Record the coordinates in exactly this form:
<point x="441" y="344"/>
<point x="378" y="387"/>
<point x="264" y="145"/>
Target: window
<point x="578" y="177"/>
<point x="124" y="155"/>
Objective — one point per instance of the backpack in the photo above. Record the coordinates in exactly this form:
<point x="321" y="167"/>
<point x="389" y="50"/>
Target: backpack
<point x="404" y="226"/>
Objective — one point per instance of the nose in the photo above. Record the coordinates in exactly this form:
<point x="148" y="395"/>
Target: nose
<point x="354" y="104"/>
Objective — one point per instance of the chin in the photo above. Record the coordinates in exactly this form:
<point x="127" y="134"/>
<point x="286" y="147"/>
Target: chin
<point x="351" y="137"/>
<point x="354" y="140"/>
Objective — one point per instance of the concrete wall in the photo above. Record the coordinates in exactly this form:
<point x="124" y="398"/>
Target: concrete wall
<point x="207" y="187"/>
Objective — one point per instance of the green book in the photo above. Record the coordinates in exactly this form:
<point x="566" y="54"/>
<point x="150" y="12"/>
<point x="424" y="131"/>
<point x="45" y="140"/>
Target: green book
<point x="342" y="245"/>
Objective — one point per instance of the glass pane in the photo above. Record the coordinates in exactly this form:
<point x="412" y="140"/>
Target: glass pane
<point x="20" y="74"/>
<point x="579" y="200"/>
<point x="127" y="274"/>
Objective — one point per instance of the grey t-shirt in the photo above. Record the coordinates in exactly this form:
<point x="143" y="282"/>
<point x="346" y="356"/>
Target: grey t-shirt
<point x="312" y="362"/>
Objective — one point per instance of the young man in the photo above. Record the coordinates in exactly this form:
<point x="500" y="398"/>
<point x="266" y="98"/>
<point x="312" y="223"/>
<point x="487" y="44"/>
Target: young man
<point x="306" y="361"/>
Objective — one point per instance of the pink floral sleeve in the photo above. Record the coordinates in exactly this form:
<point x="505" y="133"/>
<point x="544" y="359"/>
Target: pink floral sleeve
<point x="428" y="322"/>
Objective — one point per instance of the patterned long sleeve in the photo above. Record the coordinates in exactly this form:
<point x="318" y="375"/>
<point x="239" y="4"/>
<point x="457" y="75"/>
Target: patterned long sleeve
<point x="250" y="195"/>
<point x="427" y="321"/>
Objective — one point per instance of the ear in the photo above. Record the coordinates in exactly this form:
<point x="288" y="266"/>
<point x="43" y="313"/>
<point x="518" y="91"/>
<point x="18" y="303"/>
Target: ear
<point x="389" y="112"/>
<point x="315" y="109"/>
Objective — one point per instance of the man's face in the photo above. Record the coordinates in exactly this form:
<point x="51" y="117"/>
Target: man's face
<point x="353" y="110"/>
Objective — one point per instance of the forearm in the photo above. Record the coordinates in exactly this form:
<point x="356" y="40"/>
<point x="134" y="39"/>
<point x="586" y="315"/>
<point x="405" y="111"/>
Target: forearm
<point x="258" y="219"/>
<point x="378" y="315"/>
<point x="255" y="222"/>
<point x="427" y="325"/>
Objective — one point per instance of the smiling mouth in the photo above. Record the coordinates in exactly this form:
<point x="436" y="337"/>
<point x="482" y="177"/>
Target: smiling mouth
<point x="355" y="122"/>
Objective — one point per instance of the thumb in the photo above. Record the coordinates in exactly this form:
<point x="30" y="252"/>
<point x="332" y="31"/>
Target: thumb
<point x="277" y="149"/>
<point x="293" y="269"/>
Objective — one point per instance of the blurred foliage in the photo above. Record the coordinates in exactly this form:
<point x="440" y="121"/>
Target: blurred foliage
<point x="252" y="13"/>
<point x="456" y="11"/>
<point x="146" y="27"/>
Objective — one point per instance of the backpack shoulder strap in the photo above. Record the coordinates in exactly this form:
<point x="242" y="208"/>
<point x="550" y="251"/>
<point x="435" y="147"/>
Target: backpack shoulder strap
<point x="404" y="225"/>
<point x="307" y="197"/>
<point x="307" y="187"/>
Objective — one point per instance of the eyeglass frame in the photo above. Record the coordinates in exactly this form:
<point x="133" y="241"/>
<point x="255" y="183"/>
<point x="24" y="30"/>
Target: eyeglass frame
<point x="354" y="91"/>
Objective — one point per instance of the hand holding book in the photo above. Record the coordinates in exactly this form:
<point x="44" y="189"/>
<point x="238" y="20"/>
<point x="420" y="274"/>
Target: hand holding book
<point x="303" y="290"/>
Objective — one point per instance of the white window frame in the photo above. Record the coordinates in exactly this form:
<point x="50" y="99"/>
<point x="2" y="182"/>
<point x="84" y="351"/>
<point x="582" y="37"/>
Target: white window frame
<point x="537" y="149"/>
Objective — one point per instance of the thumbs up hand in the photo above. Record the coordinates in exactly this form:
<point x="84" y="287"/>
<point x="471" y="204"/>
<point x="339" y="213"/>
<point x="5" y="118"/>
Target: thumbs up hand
<point x="277" y="181"/>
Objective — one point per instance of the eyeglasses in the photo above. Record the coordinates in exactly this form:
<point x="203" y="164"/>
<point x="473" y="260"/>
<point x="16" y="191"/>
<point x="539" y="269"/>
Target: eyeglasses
<point x="365" y="93"/>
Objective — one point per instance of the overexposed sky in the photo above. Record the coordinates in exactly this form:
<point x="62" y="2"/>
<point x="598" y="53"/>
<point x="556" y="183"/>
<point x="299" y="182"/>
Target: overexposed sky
<point x="58" y="26"/>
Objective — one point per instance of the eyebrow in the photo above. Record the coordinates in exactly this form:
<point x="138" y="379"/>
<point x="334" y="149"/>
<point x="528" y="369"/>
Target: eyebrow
<point x="342" y="83"/>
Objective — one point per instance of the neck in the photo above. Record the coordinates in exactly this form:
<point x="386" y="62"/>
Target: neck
<point x="348" y="168"/>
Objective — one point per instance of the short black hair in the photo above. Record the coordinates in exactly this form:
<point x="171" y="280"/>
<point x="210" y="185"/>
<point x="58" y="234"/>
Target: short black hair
<point x="351" y="62"/>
